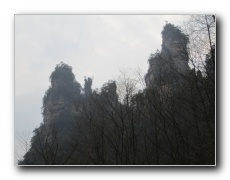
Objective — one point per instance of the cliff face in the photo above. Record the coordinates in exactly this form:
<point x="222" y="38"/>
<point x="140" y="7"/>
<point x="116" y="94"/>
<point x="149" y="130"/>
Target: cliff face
<point x="53" y="109"/>
<point x="170" y="64"/>
<point x="61" y="97"/>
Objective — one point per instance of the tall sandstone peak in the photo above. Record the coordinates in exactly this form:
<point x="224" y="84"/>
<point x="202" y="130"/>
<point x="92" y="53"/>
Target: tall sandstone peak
<point x="167" y="67"/>
<point x="62" y="95"/>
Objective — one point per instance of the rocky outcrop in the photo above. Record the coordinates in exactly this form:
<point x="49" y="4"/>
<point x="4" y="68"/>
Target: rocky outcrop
<point x="54" y="108"/>
<point x="62" y="96"/>
<point x="170" y="64"/>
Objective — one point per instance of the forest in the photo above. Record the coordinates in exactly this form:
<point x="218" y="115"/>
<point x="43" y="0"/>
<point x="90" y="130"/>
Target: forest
<point x="166" y="117"/>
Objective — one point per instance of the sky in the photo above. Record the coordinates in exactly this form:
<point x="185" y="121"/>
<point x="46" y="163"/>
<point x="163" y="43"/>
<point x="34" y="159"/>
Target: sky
<point x="95" y="46"/>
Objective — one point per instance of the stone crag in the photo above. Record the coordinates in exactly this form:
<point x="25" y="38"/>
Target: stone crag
<point x="62" y="96"/>
<point x="167" y="67"/>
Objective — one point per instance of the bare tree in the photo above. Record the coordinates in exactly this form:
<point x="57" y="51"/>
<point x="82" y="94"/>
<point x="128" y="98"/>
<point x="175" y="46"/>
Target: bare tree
<point x="201" y="30"/>
<point x="22" y="144"/>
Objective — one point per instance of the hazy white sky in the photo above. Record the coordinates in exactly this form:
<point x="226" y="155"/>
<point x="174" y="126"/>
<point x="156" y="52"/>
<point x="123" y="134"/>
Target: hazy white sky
<point x="94" y="45"/>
